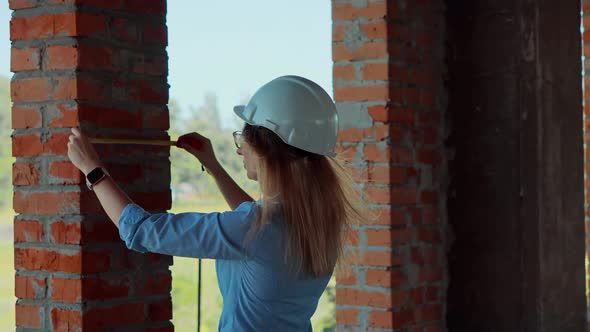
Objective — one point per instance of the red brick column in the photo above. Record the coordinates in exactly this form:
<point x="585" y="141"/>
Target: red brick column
<point x="388" y="66"/>
<point x="99" y="65"/>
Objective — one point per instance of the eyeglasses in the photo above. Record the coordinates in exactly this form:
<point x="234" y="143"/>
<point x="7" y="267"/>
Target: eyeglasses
<point x="237" y="139"/>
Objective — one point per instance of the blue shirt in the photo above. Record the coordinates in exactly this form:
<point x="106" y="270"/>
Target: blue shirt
<point x="260" y="292"/>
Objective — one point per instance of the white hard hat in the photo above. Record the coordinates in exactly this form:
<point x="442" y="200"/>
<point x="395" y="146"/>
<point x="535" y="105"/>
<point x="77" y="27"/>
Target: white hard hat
<point x="298" y="110"/>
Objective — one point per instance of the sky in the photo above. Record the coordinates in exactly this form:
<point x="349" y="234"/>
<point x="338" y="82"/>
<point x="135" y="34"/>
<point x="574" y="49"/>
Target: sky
<point x="5" y="14"/>
<point x="232" y="47"/>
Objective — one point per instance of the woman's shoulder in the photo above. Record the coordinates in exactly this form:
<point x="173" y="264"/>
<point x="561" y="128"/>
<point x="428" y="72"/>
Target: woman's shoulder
<point x="271" y="228"/>
<point x="247" y="206"/>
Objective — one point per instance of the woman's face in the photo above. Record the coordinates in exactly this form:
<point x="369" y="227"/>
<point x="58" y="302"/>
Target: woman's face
<point x="251" y="160"/>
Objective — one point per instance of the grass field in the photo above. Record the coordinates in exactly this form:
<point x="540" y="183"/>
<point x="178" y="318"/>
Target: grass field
<point x="184" y="287"/>
<point x="7" y="298"/>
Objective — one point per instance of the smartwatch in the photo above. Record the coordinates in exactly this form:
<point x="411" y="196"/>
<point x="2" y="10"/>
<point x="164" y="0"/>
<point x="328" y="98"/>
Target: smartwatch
<point x="95" y="176"/>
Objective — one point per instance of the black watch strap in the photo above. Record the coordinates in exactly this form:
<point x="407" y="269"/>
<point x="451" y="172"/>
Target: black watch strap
<point x="95" y="176"/>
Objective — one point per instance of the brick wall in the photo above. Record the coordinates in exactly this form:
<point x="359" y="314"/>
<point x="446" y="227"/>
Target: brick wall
<point x="388" y="67"/>
<point x="100" y="65"/>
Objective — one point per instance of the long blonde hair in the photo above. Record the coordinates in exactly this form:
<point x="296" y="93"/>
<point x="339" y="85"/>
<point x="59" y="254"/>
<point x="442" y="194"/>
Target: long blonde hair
<point x="313" y="193"/>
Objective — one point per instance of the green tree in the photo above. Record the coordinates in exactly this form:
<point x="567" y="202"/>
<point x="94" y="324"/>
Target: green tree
<point x="6" y="158"/>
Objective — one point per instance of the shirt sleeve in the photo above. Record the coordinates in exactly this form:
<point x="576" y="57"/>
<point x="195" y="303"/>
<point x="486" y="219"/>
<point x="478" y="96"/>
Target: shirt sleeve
<point x="218" y="235"/>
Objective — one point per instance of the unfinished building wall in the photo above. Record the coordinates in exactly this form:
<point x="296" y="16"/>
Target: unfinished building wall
<point x="100" y="66"/>
<point x="586" y="101"/>
<point x="515" y="203"/>
<point x="388" y="86"/>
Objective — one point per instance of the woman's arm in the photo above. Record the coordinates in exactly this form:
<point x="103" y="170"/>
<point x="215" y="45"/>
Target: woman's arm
<point x="112" y="198"/>
<point x="200" y="147"/>
<point x="85" y="158"/>
<point x="233" y="194"/>
<point x="190" y="234"/>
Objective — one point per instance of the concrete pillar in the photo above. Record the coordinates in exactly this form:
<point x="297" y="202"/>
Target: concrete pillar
<point x="102" y="66"/>
<point x="516" y="172"/>
<point x="586" y="53"/>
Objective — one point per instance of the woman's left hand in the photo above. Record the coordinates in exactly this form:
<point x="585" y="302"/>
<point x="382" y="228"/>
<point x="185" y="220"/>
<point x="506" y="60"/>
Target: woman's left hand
<point x="200" y="147"/>
<point x="82" y="153"/>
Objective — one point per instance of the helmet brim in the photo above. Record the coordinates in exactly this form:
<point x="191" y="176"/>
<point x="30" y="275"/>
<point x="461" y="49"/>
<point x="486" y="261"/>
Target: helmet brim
<point x="239" y="111"/>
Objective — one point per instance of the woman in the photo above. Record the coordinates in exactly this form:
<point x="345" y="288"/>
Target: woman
<point x="274" y="256"/>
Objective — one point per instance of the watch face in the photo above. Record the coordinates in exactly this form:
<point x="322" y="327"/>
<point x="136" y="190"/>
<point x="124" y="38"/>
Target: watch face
<point x="95" y="175"/>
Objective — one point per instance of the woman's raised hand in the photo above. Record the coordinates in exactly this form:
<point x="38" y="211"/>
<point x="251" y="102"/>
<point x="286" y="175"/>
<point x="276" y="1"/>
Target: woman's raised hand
<point x="82" y="153"/>
<point x="200" y="147"/>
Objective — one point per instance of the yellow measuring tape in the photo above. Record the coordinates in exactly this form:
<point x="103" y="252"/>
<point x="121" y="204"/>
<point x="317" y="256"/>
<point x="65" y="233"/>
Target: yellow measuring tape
<point x="131" y="141"/>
